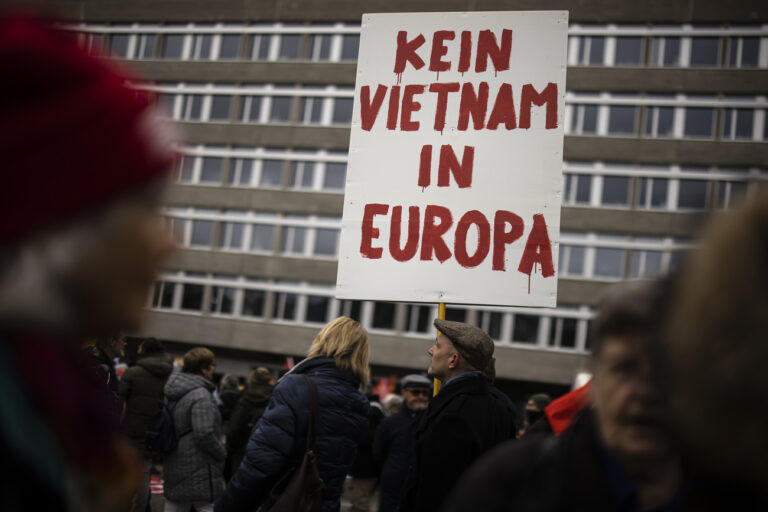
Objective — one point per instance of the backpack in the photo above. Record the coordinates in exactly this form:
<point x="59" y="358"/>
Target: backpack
<point x="161" y="431"/>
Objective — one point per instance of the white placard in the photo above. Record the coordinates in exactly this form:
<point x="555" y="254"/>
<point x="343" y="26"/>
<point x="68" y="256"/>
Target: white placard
<point x="457" y="131"/>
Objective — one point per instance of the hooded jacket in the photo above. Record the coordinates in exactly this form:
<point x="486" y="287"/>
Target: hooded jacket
<point x="279" y="440"/>
<point x="248" y="410"/>
<point x="141" y="389"/>
<point x="193" y="472"/>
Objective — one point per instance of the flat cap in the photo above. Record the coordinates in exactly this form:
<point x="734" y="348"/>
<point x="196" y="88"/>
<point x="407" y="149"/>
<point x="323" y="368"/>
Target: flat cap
<point x="471" y="342"/>
<point x="415" y="381"/>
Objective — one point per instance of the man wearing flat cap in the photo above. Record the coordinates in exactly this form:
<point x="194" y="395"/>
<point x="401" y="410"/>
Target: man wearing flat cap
<point x="463" y="421"/>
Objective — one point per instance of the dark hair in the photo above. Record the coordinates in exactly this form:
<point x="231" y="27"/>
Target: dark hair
<point x="633" y="308"/>
<point x="197" y="360"/>
<point x="152" y="345"/>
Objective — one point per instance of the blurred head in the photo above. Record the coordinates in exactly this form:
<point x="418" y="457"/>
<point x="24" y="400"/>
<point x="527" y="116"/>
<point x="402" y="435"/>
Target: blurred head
<point x="229" y="382"/>
<point x="392" y="403"/>
<point x="538" y="402"/>
<point x="80" y="232"/>
<point x="718" y="349"/>
<point x="112" y="346"/>
<point x="199" y="361"/>
<point x="416" y="391"/>
<point x="346" y="342"/>
<point x="151" y="346"/>
<point x="625" y="389"/>
<point x="261" y="376"/>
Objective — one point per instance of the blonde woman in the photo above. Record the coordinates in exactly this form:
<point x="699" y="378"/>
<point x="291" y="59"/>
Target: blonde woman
<point x="337" y="363"/>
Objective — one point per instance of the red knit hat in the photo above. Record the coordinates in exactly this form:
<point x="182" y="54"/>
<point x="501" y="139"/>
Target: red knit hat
<point x="73" y="135"/>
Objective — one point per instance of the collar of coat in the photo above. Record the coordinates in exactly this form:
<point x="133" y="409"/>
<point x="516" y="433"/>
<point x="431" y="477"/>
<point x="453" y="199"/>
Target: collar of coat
<point x="474" y="384"/>
<point x="322" y="364"/>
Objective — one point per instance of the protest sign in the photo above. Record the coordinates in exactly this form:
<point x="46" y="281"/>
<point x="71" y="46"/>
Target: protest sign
<point x="454" y="181"/>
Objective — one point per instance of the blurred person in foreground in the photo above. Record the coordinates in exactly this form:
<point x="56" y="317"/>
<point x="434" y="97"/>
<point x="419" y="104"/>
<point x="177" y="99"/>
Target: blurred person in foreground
<point x="462" y="421"/>
<point x="85" y="162"/>
<point x="247" y="412"/>
<point x="393" y="444"/>
<point x="193" y="473"/>
<point x="141" y="389"/>
<point x="337" y="363"/>
<point x="718" y="341"/>
<point x="618" y="455"/>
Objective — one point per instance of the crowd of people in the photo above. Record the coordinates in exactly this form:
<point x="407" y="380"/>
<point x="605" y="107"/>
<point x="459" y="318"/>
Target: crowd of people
<point x="674" y="417"/>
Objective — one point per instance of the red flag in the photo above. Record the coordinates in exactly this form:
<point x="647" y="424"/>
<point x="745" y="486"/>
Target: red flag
<point x="562" y="411"/>
<point x="288" y="363"/>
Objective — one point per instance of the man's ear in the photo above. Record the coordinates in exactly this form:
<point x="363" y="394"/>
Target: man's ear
<point x="454" y="362"/>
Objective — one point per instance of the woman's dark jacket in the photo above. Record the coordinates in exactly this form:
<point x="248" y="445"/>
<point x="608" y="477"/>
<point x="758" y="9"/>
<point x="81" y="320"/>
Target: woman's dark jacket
<point x="247" y="412"/>
<point x="278" y="442"/>
<point x="141" y="389"/>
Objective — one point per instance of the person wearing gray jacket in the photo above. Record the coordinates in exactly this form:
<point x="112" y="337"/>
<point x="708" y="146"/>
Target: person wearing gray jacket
<point x="193" y="473"/>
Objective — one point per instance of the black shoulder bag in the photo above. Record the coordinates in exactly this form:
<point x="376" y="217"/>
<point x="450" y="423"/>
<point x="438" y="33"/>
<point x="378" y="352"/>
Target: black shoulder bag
<point x="300" y="489"/>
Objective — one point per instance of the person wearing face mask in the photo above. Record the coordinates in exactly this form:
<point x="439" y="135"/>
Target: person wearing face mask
<point x="393" y="445"/>
<point x="536" y="421"/>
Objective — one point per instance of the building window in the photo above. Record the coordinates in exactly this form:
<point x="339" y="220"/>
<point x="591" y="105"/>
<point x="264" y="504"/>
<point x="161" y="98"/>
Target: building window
<point x="615" y="191"/>
<point x="250" y="109"/>
<point x="118" y="45"/>
<point x="211" y="170"/>
<point x="284" y="307"/>
<point x="652" y="193"/>
<point x="253" y="303"/>
<point x="705" y="51"/>
<point x="262" y="237"/>
<point x="163" y="295"/>
<point x="320" y="47"/>
<point x="728" y="193"/>
<point x="271" y="174"/>
<point x="562" y="332"/>
<point x="231" y="235"/>
<point x="230" y="46"/>
<point x="644" y="263"/>
<point x="349" y="46"/>
<point x="302" y="174"/>
<point x="418" y="318"/>
<point x="187" y="169"/>
<point x="222" y="300"/>
<point x="335" y="175"/>
<point x="317" y="309"/>
<point x="201" y="47"/>
<point x="147" y="46"/>
<point x="584" y="120"/>
<point x="665" y="52"/>
<point x="293" y="239"/>
<point x="311" y="110"/>
<point x="738" y="123"/>
<point x="622" y="120"/>
<point x="281" y="109"/>
<point x="289" y="46"/>
<point x="456" y="314"/>
<point x="202" y="233"/>
<point x="192" y="297"/>
<point x="578" y="188"/>
<point x="571" y="260"/>
<point x="257" y="47"/>
<point x="743" y="52"/>
<point x="591" y="51"/>
<point x="692" y="193"/>
<point x="173" y="45"/>
<point x="326" y="242"/>
<point x="383" y="315"/>
<point x="659" y="121"/>
<point x="629" y="51"/>
<point x="609" y="262"/>
<point x="191" y="107"/>
<point x="220" y="107"/>
<point x="490" y="322"/>
<point x="699" y="122"/>
<point x="526" y="329"/>
<point x="240" y="172"/>
<point x="350" y="308"/>
<point x="342" y="111"/>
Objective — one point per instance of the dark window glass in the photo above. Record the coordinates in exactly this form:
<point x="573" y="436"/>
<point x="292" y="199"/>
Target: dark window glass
<point x="163" y="297"/>
<point x="417" y="318"/>
<point x="289" y="47"/>
<point x="494" y="324"/>
<point x="285" y="306"/>
<point x="750" y="50"/>
<point x="730" y="192"/>
<point x="220" y="107"/>
<point x="302" y="174"/>
<point x="590" y="119"/>
<point x="349" y="46"/>
<point x="658" y="192"/>
<point x="118" y="45"/>
<point x="615" y="190"/>
<point x="172" y="46"/>
<point x="211" y="172"/>
<point x="326" y="241"/>
<point x="253" y="303"/>
<point x="698" y="122"/>
<point x="342" y="111"/>
<point x="567" y="327"/>
<point x="148" y="46"/>
<point x="202" y="47"/>
<point x="609" y="262"/>
<point x="187" y="169"/>
<point x="232" y="231"/>
<point x="350" y="308"/>
<point x="222" y="299"/>
<point x="744" y="123"/>
<point x="335" y="174"/>
<point x="293" y="240"/>
<point x="576" y="260"/>
<point x="230" y="46"/>
<point x="629" y="51"/>
<point x="202" y="232"/>
<point x="192" y="107"/>
<point x="262" y="237"/>
<point x="311" y="110"/>
<point x="672" y="51"/>
<point x="705" y="51"/>
<point x="621" y="120"/>
<point x="245" y="167"/>
<point x="692" y="194"/>
<point x="281" y="108"/>
<point x="660" y="118"/>
<point x="455" y="314"/>
<point x="526" y="328"/>
<point x="250" y="108"/>
<point x="271" y="173"/>
<point x="383" y="315"/>
<point x="320" y="47"/>
<point x="583" y="188"/>
<point x="596" y="50"/>
<point x="258" y="47"/>
<point x="192" y="297"/>
<point x="317" y="309"/>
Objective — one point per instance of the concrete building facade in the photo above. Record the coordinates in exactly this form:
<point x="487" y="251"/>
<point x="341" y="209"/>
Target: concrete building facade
<point x="666" y="122"/>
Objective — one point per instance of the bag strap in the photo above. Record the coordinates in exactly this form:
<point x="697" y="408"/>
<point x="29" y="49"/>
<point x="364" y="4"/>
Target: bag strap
<point x="312" y="426"/>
